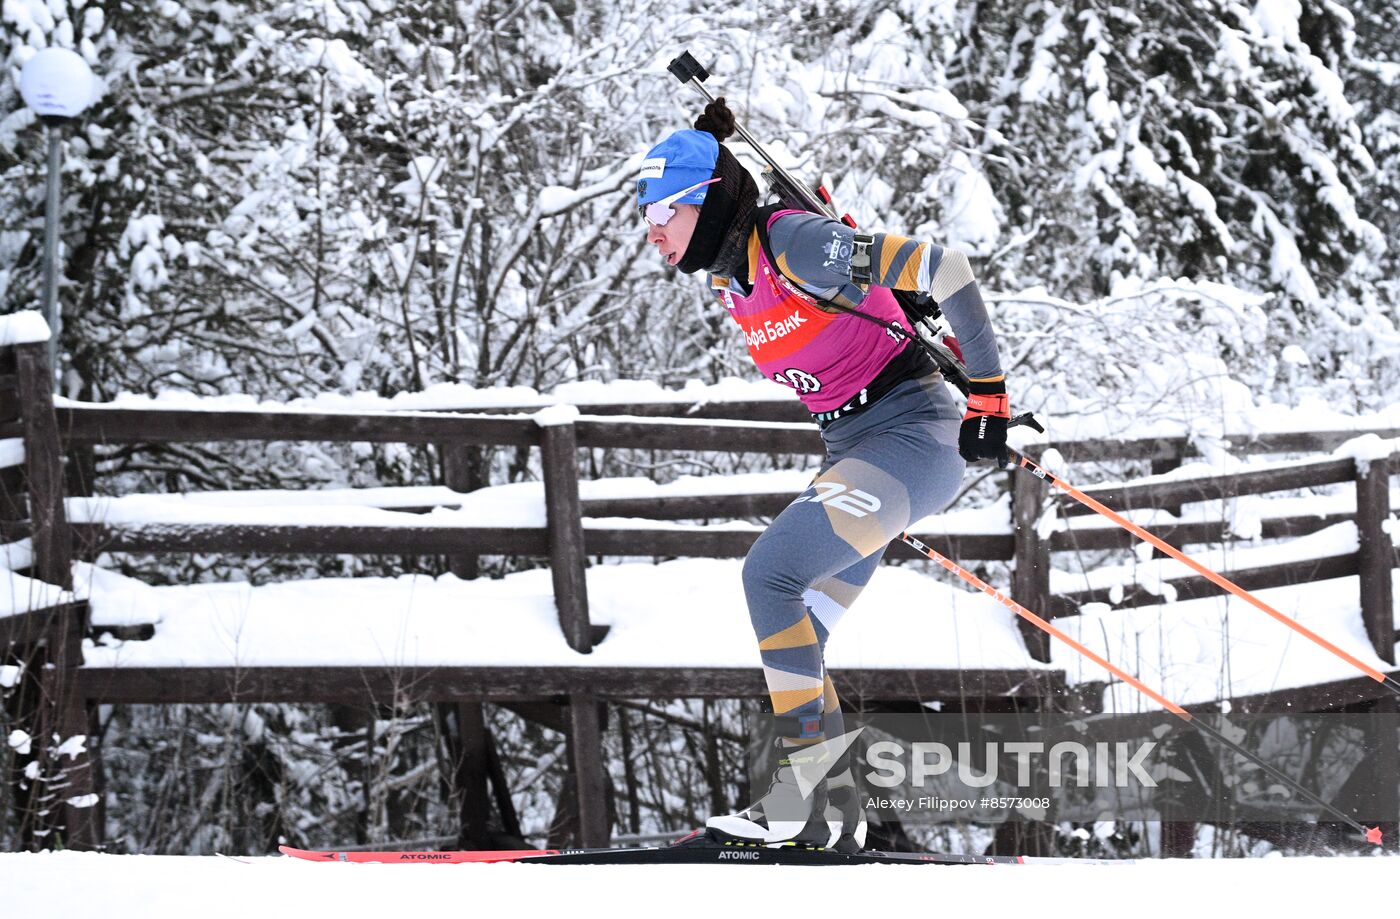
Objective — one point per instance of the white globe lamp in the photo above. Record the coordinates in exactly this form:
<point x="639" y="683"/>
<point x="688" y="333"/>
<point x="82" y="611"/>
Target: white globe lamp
<point x="57" y="83"/>
<point x="58" y="86"/>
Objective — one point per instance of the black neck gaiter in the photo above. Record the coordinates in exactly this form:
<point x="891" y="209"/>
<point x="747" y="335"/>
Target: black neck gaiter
<point x="725" y="217"/>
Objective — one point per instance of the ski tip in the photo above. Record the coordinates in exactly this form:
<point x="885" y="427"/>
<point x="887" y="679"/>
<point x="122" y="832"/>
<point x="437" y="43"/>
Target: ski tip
<point x="291" y="852"/>
<point x="1373" y="836"/>
<point x="688" y="837"/>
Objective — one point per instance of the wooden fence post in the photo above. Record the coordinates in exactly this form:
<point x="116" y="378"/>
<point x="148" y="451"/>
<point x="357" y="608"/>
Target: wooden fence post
<point x="43" y="463"/>
<point x="1377" y="555"/>
<point x="587" y="735"/>
<point x="1384" y="740"/>
<point x="14" y="510"/>
<point x="563" y="519"/>
<point x="1161" y="464"/>
<point x="1030" y="581"/>
<point x="1177" y="836"/>
<point x="64" y="713"/>
<point x="458" y="475"/>
<point x="471" y="774"/>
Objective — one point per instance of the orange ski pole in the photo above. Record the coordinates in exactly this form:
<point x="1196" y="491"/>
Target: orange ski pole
<point x="1217" y="579"/>
<point x="1371" y="834"/>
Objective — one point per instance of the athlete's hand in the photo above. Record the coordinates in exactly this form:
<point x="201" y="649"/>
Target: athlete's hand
<point x="983" y="432"/>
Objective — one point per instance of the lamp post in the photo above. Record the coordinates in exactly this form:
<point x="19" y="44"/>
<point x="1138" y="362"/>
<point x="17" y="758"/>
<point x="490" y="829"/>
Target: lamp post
<point x="57" y="85"/>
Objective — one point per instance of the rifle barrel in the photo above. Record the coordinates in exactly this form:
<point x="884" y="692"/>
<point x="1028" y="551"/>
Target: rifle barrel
<point x="794" y="184"/>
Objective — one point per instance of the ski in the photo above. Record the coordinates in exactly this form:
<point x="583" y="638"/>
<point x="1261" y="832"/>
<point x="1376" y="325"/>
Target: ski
<point x="677" y="855"/>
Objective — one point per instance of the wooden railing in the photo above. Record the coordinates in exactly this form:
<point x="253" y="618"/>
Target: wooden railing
<point x="567" y="543"/>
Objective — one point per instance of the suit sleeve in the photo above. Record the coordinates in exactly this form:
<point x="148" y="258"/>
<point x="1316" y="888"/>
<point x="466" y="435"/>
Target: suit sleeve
<point x="945" y="275"/>
<point x="815" y="252"/>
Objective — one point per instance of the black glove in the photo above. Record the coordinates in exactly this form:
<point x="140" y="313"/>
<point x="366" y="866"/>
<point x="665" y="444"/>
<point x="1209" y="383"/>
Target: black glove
<point x="983" y="432"/>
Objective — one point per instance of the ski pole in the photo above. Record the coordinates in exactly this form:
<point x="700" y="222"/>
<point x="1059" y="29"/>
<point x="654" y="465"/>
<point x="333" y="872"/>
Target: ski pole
<point x="1371" y="834"/>
<point x="1219" y="580"/>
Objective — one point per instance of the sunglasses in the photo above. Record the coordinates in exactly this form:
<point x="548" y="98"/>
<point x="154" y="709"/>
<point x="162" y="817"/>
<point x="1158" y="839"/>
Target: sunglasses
<point x="659" y="213"/>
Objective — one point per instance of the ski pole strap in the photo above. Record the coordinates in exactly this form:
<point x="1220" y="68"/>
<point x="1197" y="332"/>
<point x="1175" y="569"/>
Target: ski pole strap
<point x="995" y="404"/>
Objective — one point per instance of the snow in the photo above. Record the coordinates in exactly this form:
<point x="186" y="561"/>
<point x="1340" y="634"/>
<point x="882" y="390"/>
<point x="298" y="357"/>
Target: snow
<point x="32" y="16"/>
<point x="1041" y="83"/>
<point x="1233" y="418"/>
<point x="556" y="415"/>
<point x="11" y="452"/>
<point x="305" y="173"/>
<point x="1202" y="650"/>
<point x="110" y="508"/>
<point x="19" y="594"/>
<point x="17" y="556"/>
<point x="462" y="396"/>
<point x="190" y="509"/>
<point x="516" y="505"/>
<point x="1278" y="19"/>
<point x="22" y="328"/>
<point x="557" y="199"/>
<point x="423" y="173"/>
<point x="972" y="214"/>
<point x="1195" y="651"/>
<point x="1244" y="514"/>
<point x="422" y="621"/>
<point x="1367" y="449"/>
<point x="165" y="887"/>
<point x="337" y="61"/>
<point x="1339" y="539"/>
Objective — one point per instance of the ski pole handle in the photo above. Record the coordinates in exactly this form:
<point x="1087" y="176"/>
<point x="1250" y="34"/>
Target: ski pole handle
<point x="1027" y="419"/>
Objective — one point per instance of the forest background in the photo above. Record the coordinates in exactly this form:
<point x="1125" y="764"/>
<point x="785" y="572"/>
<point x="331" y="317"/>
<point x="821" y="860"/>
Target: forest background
<point x="1174" y="208"/>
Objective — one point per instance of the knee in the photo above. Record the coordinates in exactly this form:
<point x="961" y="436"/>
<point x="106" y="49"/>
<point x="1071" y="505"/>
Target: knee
<point x="769" y="572"/>
<point x="757" y="571"/>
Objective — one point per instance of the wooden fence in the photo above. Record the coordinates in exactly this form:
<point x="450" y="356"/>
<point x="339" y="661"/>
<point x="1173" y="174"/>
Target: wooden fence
<point x="568" y="544"/>
<point x="49" y="433"/>
<point x="45" y="642"/>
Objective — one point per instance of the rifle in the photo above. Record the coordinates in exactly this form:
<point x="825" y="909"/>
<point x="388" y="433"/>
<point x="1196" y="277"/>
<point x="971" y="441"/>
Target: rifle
<point x="919" y="308"/>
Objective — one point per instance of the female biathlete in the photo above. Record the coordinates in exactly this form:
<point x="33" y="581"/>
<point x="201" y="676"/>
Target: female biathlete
<point x="896" y="443"/>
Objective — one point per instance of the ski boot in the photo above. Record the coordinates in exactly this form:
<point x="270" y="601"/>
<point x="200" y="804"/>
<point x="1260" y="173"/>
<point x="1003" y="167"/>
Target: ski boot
<point x="794" y="809"/>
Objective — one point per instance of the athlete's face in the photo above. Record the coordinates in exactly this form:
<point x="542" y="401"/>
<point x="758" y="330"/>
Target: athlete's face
<point x="672" y="239"/>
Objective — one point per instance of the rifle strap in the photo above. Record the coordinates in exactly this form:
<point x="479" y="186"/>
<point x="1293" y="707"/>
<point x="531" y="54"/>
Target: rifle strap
<point x="860" y="260"/>
<point x="762" y="215"/>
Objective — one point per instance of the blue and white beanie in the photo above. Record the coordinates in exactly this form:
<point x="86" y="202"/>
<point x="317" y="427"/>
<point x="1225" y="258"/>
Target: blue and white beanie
<point x="684" y="159"/>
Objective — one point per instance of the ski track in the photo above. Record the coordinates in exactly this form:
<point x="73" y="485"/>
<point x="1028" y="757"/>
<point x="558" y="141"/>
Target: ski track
<point x="74" y="885"/>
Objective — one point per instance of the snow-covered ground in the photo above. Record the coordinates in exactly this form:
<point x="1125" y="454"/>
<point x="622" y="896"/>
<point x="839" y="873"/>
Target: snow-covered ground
<point x="423" y="621"/>
<point x="71" y="885"/>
